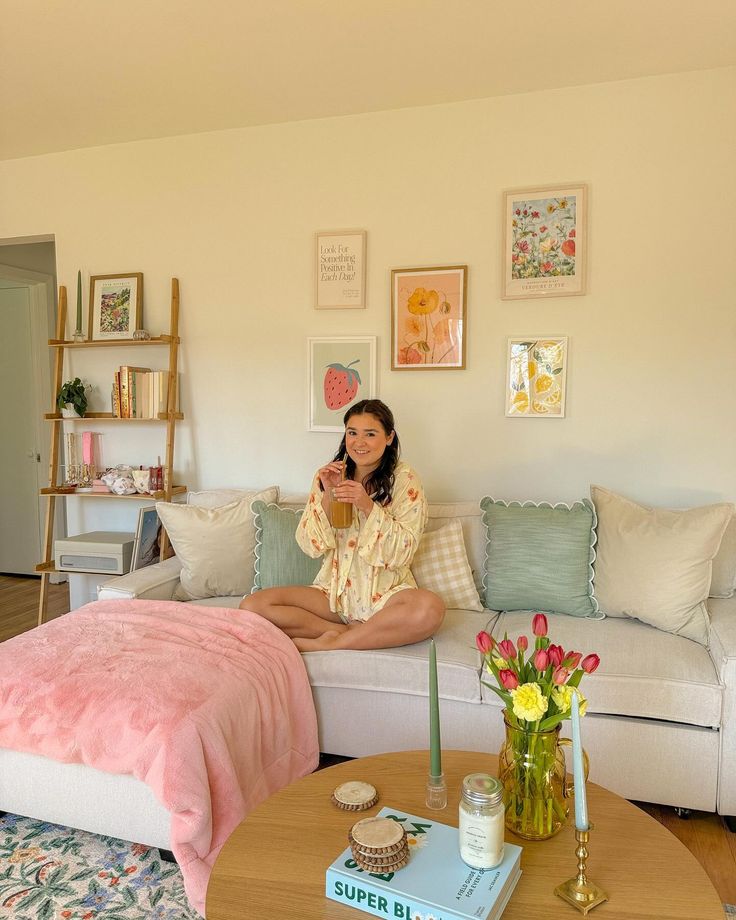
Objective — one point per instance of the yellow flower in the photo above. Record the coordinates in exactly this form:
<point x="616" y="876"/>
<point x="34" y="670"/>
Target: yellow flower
<point x="413" y="325"/>
<point x="563" y="202"/>
<point x="500" y="663"/>
<point x="528" y="702"/>
<point x="562" y="697"/>
<point x="543" y="383"/>
<point x="422" y="302"/>
<point x="521" y="402"/>
<point x="546" y="245"/>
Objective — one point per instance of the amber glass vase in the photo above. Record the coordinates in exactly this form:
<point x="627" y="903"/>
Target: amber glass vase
<point x="531" y="766"/>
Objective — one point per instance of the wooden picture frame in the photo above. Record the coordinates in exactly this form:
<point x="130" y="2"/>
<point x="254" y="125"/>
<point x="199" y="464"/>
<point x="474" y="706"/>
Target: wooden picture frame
<point x="536" y="376"/>
<point x="545" y="242"/>
<point x="341" y="370"/>
<point x="339" y="269"/>
<point x="429" y="318"/>
<point x="115" y="305"/>
<point x="147" y="543"/>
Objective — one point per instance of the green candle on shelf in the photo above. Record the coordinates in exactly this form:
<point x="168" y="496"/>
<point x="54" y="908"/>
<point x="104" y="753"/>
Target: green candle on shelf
<point x="435" y="754"/>
<point x="79" y="301"/>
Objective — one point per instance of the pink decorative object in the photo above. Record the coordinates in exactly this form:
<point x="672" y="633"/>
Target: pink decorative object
<point x="87" y="450"/>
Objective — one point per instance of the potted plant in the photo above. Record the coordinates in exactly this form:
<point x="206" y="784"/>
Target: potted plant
<point x="72" y="399"/>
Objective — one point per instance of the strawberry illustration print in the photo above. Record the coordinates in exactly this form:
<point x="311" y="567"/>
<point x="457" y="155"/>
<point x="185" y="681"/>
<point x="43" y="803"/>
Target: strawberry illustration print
<point x="341" y="384"/>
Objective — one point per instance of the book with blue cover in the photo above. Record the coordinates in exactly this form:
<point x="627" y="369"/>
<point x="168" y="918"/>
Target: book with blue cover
<point x="435" y="883"/>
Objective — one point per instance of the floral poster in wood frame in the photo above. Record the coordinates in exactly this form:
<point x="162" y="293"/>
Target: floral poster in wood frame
<point x="536" y="375"/>
<point x="545" y="248"/>
<point x="339" y="271"/>
<point x="341" y="371"/>
<point x="115" y="305"/>
<point x="428" y="318"/>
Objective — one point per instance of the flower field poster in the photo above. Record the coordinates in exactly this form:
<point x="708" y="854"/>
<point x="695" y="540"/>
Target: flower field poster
<point x="536" y="372"/>
<point x="545" y="242"/>
<point x="115" y="305"/>
<point x="342" y="371"/>
<point x="428" y="310"/>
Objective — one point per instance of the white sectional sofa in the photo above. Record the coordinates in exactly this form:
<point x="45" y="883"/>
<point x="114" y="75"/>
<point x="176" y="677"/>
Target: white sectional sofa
<point x="661" y="723"/>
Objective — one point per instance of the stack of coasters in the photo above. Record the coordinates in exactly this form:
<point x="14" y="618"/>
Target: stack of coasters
<point x="355" y="796"/>
<point x="379" y="845"/>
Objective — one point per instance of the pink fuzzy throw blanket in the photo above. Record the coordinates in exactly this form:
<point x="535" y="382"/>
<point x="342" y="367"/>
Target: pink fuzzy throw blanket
<point x="210" y="707"/>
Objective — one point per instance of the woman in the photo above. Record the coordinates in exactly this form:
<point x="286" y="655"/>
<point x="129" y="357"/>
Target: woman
<point x="364" y="596"/>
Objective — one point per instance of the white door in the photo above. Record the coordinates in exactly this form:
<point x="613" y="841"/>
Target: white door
<point x="20" y="525"/>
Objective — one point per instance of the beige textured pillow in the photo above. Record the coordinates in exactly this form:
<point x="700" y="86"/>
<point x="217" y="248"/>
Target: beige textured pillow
<point x="215" y="545"/>
<point x="441" y="565"/>
<point x="654" y="564"/>
<point x="724" y="565"/>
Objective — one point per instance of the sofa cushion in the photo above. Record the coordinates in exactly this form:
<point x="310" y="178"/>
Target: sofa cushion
<point x="654" y="564"/>
<point x="644" y="672"/>
<point x="280" y="560"/>
<point x="474" y="533"/>
<point x="440" y="564"/>
<point x="723" y="579"/>
<point x="215" y="544"/>
<point x="216" y="498"/>
<point x="540" y="557"/>
<point x="406" y="669"/>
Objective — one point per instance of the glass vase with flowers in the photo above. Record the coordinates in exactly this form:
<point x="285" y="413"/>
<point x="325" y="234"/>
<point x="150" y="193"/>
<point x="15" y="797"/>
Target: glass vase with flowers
<point x="536" y="687"/>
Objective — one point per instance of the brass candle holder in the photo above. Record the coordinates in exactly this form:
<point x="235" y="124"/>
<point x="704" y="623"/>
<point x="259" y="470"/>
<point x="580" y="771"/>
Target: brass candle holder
<point x="583" y="894"/>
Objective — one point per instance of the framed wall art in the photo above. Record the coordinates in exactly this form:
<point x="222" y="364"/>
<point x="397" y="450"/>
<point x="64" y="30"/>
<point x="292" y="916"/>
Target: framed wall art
<point x="545" y="242"/>
<point x="536" y="372"/>
<point x="339" y="271"/>
<point x="341" y="371"/>
<point x="147" y="543"/>
<point x="115" y="305"/>
<point x="428" y="310"/>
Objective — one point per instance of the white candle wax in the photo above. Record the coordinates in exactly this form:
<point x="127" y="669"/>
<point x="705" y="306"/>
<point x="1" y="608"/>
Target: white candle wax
<point x="581" y="803"/>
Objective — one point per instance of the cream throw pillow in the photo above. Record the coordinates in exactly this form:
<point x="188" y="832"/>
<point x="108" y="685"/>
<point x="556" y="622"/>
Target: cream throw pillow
<point x="655" y="565"/>
<point x="724" y="565"/>
<point x="441" y="565"/>
<point x="215" y="545"/>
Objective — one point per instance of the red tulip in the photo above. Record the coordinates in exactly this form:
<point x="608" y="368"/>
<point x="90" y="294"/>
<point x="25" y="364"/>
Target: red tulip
<point x="541" y="660"/>
<point x="539" y="624"/>
<point x="556" y="655"/>
<point x="484" y="642"/>
<point x="522" y="643"/>
<point x="509" y="680"/>
<point x="572" y="659"/>
<point x="507" y="649"/>
<point x="590" y="663"/>
<point x="560" y="675"/>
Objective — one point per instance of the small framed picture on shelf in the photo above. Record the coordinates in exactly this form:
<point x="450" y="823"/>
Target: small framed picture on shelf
<point x="339" y="271"/>
<point x="115" y="305"/>
<point x="147" y="544"/>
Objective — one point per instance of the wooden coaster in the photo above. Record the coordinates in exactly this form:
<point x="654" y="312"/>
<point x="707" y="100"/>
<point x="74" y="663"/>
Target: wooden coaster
<point x="377" y="835"/>
<point x="379" y="870"/>
<point x="381" y="861"/>
<point x="386" y="851"/>
<point x="355" y="796"/>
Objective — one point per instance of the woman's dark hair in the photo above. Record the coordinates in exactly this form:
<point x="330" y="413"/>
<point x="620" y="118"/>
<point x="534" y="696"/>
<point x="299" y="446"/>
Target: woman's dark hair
<point x="380" y="483"/>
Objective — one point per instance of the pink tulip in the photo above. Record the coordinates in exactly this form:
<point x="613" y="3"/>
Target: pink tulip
<point x="590" y="663"/>
<point x="507" y="649"/>
<point x="484" y="642"/>
<point x="509" y="680"/>
<point x="541" y="660"/>
<point x="572" y="659"/>
<point x="556" y="655"/>
<point x="539" y="624"/>
<point x="522" y="643"/>
<point x="560" y="675"/>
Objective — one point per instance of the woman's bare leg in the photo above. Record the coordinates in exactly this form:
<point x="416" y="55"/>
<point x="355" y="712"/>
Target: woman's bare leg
<point x="300" y="612"/>
<point x="409" y="616"/>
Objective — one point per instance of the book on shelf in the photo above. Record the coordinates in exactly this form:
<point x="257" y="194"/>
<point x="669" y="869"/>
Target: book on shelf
<point x="127" y="389"/>
<point x="435" y="882"/>
<point x="139" y="392"/>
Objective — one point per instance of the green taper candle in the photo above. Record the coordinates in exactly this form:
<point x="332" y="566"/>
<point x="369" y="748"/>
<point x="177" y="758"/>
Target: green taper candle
<point x="435" y="753"/>
<point x="79" y="301"/>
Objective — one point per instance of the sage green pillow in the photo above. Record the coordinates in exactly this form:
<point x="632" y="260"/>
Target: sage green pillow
<point x="540" y="557"/>
<point x="279" y="559"/>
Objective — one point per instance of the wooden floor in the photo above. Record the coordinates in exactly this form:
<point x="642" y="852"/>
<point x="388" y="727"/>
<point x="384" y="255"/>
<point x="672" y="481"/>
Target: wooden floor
<point x="704" y="834"/>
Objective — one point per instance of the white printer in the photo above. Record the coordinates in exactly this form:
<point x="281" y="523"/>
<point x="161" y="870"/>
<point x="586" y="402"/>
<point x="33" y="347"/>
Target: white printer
<point x="105" y="552"/>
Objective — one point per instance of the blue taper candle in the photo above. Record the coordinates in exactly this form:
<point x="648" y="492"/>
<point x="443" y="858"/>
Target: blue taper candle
<point x="435" y="754"/>
<point x="581" y="802"/>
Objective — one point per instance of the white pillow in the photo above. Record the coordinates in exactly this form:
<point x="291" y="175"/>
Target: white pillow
<point x="724" y="565"/>
<point x="654" y="564"/>
<point x="216" y="546"/>
<point x="441" y="565"/>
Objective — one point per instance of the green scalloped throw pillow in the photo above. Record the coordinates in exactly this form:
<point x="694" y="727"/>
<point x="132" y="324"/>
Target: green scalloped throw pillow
<point x="279" y="558"/>
<point x="540" y="557"/>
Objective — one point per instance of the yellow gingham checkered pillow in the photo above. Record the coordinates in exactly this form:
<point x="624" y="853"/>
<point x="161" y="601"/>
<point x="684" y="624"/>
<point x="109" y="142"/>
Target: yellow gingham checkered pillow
<point x="441" y="565"/>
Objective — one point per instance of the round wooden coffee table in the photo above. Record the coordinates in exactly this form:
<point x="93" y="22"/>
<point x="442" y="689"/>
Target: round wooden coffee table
<point x="274" y="863"/>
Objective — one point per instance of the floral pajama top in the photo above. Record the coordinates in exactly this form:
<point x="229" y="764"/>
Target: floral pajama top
<point x="367" y="563"/>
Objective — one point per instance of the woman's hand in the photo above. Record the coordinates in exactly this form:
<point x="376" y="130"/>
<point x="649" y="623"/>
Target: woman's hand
<point x="330" y="475"/>
<point x="353" y="492"/>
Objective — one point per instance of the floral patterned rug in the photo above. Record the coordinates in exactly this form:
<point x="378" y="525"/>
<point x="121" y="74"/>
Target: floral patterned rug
<point x="48" y="872"/>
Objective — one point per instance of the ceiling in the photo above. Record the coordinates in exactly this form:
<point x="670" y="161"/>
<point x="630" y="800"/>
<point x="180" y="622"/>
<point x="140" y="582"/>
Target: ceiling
<point x="80" y="73"/>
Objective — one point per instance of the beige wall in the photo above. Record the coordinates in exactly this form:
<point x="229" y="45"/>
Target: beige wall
<point x="650" y="407"/>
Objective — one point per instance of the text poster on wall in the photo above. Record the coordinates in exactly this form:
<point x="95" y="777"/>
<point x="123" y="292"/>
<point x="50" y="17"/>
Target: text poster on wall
<point x="340" y="269"/>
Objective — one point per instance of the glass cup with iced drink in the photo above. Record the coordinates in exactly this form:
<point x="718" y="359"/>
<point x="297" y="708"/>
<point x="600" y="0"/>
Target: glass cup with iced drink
<point x="340" y="512"/>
